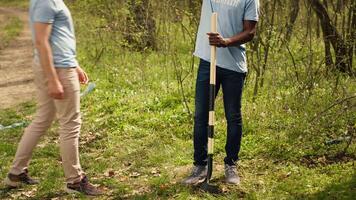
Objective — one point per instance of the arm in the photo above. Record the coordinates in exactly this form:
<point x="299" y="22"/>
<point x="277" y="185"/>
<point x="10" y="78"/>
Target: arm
<point x="82" y="75"/>
<point x="245" y="36"/>
<point x="43" y="31"/>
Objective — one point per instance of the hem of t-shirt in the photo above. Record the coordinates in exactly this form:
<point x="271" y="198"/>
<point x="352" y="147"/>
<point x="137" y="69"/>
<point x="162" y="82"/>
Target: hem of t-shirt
<point x="65" y="66"/>
<point x="251" y="19"/>
<point x="44" y="21"/>
<point x="73" y="64"/>
<point x="70" y="64"/>
<point x="219" y="65"/>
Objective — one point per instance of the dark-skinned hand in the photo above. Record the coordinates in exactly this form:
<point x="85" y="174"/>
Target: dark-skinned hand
<point x="215" y="39"/>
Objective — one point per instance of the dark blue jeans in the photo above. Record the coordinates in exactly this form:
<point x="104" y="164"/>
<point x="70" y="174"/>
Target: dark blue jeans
<point x="232" y="85"/>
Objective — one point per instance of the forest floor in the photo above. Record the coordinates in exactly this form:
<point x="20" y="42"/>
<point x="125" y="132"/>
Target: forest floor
<point x="136" y="139"/>
<point x="16" y="77"/>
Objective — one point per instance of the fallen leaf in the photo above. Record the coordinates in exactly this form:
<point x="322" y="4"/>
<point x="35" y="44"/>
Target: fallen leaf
<point x="110" y="173"/>
<point x="155" y="172"/>
<point x="135" y="174"/>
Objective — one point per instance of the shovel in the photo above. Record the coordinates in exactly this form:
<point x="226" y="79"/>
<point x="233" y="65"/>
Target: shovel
<point x="206" y="185"/>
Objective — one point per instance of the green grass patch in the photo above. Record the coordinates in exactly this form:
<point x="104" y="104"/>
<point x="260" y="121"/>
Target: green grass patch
<point x="136" y="140"/>
<point x="15" y="3"/>
<point x="11" y="29"/>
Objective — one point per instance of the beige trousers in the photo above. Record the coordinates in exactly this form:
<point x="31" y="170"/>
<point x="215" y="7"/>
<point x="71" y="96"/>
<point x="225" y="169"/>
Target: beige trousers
<point x="68" y="114"/>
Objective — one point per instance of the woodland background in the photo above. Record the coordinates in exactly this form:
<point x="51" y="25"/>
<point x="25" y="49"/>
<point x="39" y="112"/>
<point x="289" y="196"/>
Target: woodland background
<point x="299" y="103"/>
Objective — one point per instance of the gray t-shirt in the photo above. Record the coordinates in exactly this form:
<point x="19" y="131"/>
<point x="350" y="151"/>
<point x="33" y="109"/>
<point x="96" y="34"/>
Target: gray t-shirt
<point x="231" y="14"/>
<point x="62" y="37"/>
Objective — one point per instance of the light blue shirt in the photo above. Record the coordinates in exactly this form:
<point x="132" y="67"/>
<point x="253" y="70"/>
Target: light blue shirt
<point x="62" y="37"/>
<point x="231" y="14"/>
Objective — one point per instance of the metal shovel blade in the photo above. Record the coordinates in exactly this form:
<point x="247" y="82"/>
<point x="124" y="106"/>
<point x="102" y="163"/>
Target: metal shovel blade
<point x="207" y="187"/>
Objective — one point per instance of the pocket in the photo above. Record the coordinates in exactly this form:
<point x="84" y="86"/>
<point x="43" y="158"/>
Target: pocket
<point x="69" y="79"/>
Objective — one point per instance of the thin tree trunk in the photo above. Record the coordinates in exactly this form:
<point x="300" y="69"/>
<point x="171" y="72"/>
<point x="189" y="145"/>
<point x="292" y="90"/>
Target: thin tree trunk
<point x="336" y="40"/>
<point x="328" y="56"/>
<point x="268" y="43"/>
<point x="317" y="28"/>
<point x="140" y="33"/>
<point x="294" y="7"/>
<point x="352" y="33"/>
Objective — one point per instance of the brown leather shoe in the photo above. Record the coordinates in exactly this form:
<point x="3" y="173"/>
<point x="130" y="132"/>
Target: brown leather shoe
<point x="83" y="187"/>
<point x="15" y="181"/>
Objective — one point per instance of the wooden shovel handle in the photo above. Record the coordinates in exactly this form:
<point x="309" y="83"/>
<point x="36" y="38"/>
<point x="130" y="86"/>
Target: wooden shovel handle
<point x="214" y="22"/>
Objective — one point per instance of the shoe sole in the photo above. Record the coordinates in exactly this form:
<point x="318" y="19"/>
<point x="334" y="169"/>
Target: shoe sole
<point x="12" y="184"/>
<point x="71" y="191"/>
<point x="200" y="181"/>
<point x="232" y="183"/>
<point x="196" y="183"/>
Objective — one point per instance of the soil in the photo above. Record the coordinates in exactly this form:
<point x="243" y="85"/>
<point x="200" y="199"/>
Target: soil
<point x="16" y="76"/>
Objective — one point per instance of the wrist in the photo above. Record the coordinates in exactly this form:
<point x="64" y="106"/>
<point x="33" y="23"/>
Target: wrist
<point x="227" y="42"/>
<point x="54" y="81"/>
<point x="79" y="69"/>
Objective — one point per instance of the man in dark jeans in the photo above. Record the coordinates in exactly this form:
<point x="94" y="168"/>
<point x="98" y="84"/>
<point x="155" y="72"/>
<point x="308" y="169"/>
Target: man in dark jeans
<point x="237" y="21"/>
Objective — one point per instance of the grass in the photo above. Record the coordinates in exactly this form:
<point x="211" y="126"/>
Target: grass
<point x="136" y="143"/>
<point x="23" y="4"/>
<point x="136" y="140"/>
<point x="10" y="28"/>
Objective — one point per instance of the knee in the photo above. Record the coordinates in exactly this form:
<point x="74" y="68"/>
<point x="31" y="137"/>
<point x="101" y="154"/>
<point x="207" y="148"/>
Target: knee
<point x="234" y="118"/>
<point x="201" y="117"/>
<point x="70" y="126"/>
<point x="41" y="124"/>
<point x="70" y="120"/>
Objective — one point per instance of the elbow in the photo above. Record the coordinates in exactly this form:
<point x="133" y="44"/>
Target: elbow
<point x="251" y="35"/>
<point x="39" y="43"/>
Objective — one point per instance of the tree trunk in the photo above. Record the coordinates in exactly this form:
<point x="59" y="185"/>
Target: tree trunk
<point x="331" y="34"/>
<point x="141" y="27"/>
<point x="328" y="56"/>
<point x="268" y="43"/>
<point x="294" y="7"/>
<point x="352" y="34"/>
<point x="194" y="7"/>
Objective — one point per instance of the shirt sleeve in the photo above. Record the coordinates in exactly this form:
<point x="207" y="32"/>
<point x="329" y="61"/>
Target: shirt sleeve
<point x="45" y="12"/>
<point x="252" y="10"/>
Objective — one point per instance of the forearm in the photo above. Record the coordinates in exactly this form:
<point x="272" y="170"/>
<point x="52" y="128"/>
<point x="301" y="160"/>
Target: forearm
<point x="46" y="61"/>
<point x="241" y="38"/>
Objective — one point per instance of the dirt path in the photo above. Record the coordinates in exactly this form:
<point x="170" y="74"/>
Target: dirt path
<point x="16" y="77"/>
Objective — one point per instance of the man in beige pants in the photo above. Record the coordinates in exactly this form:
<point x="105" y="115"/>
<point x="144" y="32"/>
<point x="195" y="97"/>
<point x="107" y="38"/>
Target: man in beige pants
<point x="57" y="78"/>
